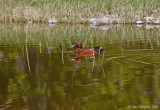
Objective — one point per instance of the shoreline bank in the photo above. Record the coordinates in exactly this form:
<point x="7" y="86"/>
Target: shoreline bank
<point x="78" y="11"/>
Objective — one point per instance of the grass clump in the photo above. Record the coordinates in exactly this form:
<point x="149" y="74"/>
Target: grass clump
<point x="76" y="10"/>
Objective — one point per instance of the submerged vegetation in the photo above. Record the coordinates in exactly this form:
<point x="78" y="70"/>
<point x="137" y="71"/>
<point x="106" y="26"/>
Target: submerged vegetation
<point x="76" y="10"/>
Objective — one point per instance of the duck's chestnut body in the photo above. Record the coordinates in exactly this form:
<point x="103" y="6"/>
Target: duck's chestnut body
<point x="86" y="52"/>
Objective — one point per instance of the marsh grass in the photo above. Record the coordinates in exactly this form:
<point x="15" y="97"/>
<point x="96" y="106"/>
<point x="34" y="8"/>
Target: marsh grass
<point x="75" y="10"/>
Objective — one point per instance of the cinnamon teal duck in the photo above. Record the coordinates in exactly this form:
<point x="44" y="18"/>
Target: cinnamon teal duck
<point x="87" y="51"/>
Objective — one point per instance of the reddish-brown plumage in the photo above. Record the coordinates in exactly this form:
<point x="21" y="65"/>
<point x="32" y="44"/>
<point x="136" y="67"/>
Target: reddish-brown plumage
<point x="86" y="52"/>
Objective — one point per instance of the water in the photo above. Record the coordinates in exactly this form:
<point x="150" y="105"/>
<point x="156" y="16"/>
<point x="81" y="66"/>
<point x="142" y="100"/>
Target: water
<point x="39" y="70"/>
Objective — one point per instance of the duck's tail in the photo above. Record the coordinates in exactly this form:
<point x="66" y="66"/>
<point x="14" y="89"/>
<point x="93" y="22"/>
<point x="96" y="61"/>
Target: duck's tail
<point x="98" y="49"/>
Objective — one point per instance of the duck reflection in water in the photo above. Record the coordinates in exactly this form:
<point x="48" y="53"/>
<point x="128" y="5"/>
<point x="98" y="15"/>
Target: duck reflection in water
<point x="85" y="52"/>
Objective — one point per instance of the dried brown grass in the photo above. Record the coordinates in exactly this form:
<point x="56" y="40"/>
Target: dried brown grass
<point x="127" y="10"/>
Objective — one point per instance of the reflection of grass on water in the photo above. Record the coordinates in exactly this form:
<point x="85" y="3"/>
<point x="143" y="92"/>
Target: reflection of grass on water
<point x="41" y="35"/>
<point x="73" y="10"/>
<point x="60" y="37"/>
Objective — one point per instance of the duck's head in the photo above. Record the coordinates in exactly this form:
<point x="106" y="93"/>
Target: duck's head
<point x="77" y="44"/>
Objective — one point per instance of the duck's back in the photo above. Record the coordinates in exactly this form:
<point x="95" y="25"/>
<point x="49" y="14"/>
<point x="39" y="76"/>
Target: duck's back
<point x="88" y="52"/>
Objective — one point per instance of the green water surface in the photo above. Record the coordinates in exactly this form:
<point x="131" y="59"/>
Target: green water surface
<point x="40" y="71"/>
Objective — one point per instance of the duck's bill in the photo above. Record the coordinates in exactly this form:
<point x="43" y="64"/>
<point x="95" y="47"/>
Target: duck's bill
<point x="72" y="46"/>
